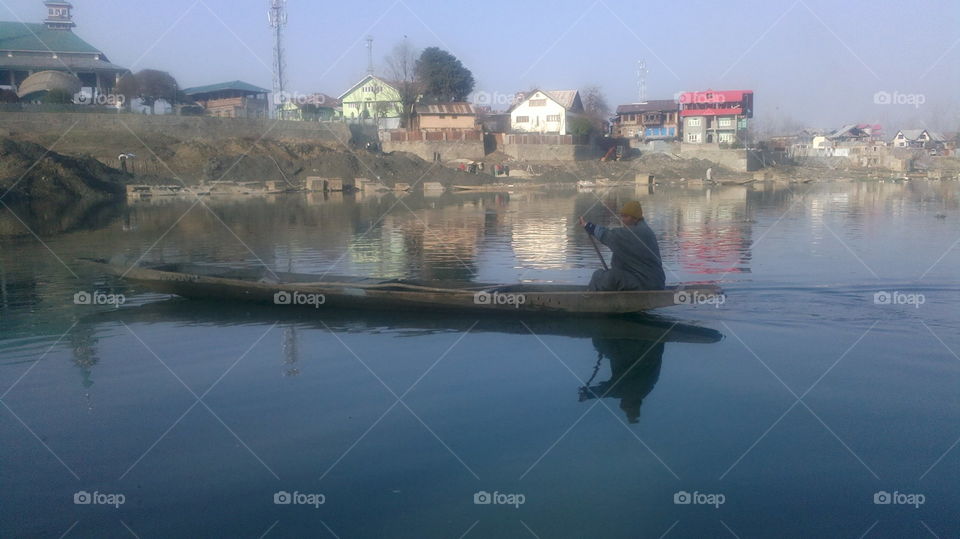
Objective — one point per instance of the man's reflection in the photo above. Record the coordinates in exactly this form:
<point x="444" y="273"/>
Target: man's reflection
<point x="634" y="370"/>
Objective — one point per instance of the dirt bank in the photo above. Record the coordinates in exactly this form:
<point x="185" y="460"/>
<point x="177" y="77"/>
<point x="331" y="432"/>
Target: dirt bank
<point x="31" y="172"/>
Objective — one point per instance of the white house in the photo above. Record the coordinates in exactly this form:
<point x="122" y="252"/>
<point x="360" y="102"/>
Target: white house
<point x="916" y="138"/>
<point x="543" y="111"/>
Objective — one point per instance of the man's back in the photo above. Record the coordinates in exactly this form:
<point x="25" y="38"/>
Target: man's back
<point x="635" y="251"/>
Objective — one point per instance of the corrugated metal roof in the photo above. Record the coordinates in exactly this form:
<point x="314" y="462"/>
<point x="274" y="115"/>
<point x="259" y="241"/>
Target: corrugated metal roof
<point x="654" y="105"/>
<point x="446" y="108"/>
<point x="234" y="85"/>
<point x="62" y="63"/>
<point x="17" y="36"/>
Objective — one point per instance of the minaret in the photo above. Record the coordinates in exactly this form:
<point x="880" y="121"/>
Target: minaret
<point x="59" y="16"/>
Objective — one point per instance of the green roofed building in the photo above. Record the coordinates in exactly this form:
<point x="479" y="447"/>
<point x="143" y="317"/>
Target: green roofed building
<point x="235" y="99"/>
<point x="28" y="48"/>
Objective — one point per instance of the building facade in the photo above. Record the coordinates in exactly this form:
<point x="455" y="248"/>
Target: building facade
<point x="651" y="120"/>
<point x="373" y="98"/>
<point x="28" y="48"/>
<point x="716" y="116"/>
<point x="235" y="99"/>
<point x="442" y="116"/>
<point x="546" y="112"/>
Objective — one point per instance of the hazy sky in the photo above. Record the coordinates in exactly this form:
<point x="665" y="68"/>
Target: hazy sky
<point x="815" y="62"/>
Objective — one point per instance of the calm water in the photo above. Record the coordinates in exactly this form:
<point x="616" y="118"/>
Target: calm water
<point x="783" y="412"/>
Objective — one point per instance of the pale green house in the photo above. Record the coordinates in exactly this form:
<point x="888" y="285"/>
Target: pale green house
<point x="375" y="99"/>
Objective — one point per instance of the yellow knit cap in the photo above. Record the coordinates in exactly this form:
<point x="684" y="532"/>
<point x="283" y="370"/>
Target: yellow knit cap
<point x="633" y="209"/>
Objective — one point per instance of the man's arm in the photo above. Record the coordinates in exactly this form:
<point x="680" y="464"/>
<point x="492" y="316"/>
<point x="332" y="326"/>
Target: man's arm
<point x="602" y="233"/>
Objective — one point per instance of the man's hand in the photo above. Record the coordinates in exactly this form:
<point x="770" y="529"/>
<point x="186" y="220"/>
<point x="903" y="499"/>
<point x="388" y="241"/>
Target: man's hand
<point x="589" y="227"/>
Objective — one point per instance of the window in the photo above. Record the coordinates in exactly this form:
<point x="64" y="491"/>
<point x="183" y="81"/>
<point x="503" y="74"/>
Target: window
<point x="693" y="138"/>
<point x="553" y="117"/>
<point x="523" y="119"/>
<point x="726" y="137"/>
<point x="538" y="102"/>
<point x="725" y="122"/>
<point x="693" y="122"/>
<point x="673" y="132"/>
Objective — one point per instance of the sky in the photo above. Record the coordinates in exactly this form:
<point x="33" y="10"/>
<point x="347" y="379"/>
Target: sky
<point x="811" y="63"/>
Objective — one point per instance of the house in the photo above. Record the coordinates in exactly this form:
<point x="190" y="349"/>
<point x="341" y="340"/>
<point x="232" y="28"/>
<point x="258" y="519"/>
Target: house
<point x="312" y="108"/>
<point x="441" y="116"/>
<point x="650" y="120"/>
<point x="918" y="138"/>
<point x="28" y="48"/>
<point x="856" y="133"/>
<point x="715" y="116"/>
<point x="375" y="98"/>
<point x="543" y="111"/>
<point x="235" y="99"/>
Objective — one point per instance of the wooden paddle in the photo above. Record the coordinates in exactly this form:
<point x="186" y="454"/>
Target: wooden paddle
<point x="595" y="246"/>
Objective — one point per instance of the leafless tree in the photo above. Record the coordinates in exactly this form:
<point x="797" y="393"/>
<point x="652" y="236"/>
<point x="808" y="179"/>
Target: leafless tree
<point x="401" y="68"/>
<point x="595" y="106"/>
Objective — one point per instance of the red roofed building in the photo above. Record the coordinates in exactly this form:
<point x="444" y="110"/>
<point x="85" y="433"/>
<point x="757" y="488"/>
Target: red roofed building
<point x="715" y="116"/>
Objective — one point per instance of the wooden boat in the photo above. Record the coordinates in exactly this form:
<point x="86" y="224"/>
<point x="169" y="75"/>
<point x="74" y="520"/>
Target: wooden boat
<point x="261" y="285"/>
<point x="640" y="327"/>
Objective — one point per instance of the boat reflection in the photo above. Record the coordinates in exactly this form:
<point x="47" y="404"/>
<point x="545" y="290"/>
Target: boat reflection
<point x="634" y="345"/>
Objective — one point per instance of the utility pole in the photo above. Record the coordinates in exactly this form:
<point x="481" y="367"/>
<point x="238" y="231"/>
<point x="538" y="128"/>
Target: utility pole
<point x="278" y="20"/>
<point x="642" y="81"/>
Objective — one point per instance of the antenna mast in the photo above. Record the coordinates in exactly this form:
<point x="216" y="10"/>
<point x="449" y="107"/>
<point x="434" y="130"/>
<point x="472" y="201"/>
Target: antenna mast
<point x="369" y="55"/>
<point x="278" y="19"/>
<point x="642" y="81"/>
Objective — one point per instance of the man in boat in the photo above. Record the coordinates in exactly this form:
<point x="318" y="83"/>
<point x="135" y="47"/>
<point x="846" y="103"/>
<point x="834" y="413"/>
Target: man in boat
<point x="636" y="263"/>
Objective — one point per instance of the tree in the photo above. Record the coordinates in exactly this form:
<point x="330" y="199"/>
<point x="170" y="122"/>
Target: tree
<point x="58" y="96"/>
<point x="581" y="126"/>
<point x="595" y="107"/>
<point x="402" y="67"/>
<point x="149" y="85"/>
<point x="443" y="77"/>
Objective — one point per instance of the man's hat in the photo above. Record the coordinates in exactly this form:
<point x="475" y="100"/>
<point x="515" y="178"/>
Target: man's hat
<point x="633" y="209"/>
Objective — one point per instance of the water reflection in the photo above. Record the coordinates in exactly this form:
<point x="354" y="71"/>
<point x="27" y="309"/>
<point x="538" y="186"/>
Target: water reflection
<point x="634" y="371"/>
<point x="489" y="237"/>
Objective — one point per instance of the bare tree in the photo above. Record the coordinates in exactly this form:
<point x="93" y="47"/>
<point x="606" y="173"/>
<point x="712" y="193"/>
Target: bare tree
<point x="595" y="106"/>
<point x="402" y="69"/>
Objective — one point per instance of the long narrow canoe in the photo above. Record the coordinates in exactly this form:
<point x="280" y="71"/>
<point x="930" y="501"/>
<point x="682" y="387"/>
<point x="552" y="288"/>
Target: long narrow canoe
<point x="639" y="327"/>
<point x="331" y="292"/>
